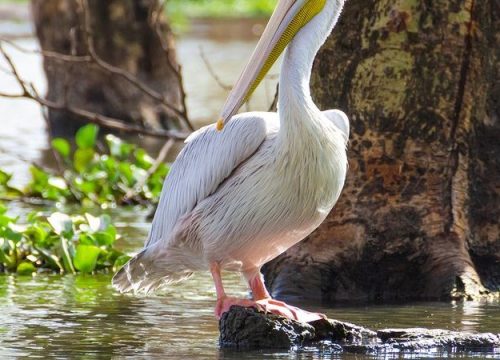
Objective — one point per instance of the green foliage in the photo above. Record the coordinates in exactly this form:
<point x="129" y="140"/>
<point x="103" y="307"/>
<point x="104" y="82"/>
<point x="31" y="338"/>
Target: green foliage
<point x="117" y="175"/>
<point x="180" y="10"/>
<point x="58" y="243"/>
<point x="5" y="189"/>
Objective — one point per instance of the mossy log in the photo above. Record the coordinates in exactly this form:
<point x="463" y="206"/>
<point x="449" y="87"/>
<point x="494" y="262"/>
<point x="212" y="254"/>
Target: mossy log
<point x="127" y="34"/>
<point x="248" y="329"/>
<point x="419" y="215"/>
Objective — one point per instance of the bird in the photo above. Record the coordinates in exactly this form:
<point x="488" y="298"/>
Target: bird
<point x="245" y="189"/>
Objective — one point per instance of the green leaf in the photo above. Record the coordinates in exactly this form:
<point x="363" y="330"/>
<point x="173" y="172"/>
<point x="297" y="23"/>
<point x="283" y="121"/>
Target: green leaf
<point x="85" y="258"/>
<point x="104" y="238"/>
<point x="61" y="223"/>
<point x="25" y="268"/>
<point x="61" y="146"/>
<point x="12" y="235"/>
<point x="39" y="176"/>
<point x="143" y="160"/>
<point x="87" y="239"/>
<point x="4" y="177"/>
<point x="118" y="148"/>
<point x="82" y="158"/>
<point x="58" y="182"/>
<point x="66" y="256"/>
<point x="86" y="136"/>
<point x="120" y="261"/>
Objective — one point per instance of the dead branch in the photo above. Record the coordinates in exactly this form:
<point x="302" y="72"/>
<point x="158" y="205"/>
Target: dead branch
<point x="103" y="65"/>
<point x="47" y="53"/>
<point x="274" y="103"/>
<point x="132" y="79"/>
<point x="94" y="58"/>
<point x="175" y="68"/>
<point x="212" y="72"/>
<point x="102" y="120"/>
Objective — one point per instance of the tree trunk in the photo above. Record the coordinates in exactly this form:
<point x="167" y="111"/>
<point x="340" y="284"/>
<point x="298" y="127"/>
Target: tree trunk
<point x="419" y="214"/>
<point x="127" y="34"/>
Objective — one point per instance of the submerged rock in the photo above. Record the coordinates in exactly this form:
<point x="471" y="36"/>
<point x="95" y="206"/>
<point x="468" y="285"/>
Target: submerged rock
<point x="247" y="328"/>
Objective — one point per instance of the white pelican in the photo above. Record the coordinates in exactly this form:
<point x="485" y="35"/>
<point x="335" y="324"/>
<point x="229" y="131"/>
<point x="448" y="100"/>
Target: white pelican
<point x="237" y="198"/>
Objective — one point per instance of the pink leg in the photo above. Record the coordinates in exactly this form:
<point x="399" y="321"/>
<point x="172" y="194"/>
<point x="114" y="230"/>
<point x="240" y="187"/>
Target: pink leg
<point x="225" y="302"/>
<point x="265" y="302"/>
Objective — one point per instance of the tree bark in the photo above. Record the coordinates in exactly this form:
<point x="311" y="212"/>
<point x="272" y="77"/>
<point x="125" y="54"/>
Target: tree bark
<point x="419" y="214"/>
<point x="125" y="35"/>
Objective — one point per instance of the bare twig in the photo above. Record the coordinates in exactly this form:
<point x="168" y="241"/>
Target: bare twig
<point x="117" y="71"/>
<point x="175" y="68"/>
<point x="99" y="119"/>
<point x="93" y="57"/>
<point x="15" y="73"/>
<point x="105" y="66"/>
<point x="211" y="71"/>
<point x="274" y="104"/>
<point x="46" y="53"/>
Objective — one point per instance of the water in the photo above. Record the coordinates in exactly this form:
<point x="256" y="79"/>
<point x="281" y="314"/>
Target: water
<point x="82" y="317"/>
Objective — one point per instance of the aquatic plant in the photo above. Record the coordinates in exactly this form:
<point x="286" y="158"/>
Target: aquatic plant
<point x="118" y="173"/>
<point x="58" y="243"/>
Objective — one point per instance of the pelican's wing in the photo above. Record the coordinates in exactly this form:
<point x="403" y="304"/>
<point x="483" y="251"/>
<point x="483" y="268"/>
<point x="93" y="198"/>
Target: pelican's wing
<point x="208" y="158"/>
<point x="340" y="120"/>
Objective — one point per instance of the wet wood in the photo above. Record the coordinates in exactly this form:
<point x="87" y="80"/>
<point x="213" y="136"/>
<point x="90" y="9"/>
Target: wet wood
<point x="246" y="328"/>
<point x="418" y="218"/>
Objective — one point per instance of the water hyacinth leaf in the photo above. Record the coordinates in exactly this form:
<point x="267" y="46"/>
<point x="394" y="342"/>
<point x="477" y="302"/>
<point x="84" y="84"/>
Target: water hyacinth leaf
<point x="39" y="176"/>
<point x="104" y="238"/>
<point x="143" y="160"/>
<point x="4" y="177"/>
<point x="82" y="158"/>
<point x="58" y="183"/>
<point x="87" y="239"/>
<point x="118" y="148"/>
<point x="25" y="268"/>
<point x="61" y="223"/>
<point x="61" y="146"/>
<point x="93" y="177"/>
<point x="85" y="259"/>
<point x="86" y="136"/>
<point x="5" y="220"/>
<point x="120" y="261"/>
<point x="93" y="222"/>
<point x="5" y="259"/>
<point x="10" y="234"/>
<point x="66" y="256"/>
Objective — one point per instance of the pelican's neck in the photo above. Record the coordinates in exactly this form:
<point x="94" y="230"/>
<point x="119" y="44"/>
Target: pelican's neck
<point x="296" y="108"/>
<point x="294" y="99"/>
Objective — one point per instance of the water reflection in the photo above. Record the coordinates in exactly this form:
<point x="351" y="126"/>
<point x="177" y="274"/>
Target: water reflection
<point x="82" y="315"/>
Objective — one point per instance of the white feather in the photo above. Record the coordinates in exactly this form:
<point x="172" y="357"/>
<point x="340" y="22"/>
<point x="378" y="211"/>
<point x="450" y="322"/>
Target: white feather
<point x="243" y="196"/>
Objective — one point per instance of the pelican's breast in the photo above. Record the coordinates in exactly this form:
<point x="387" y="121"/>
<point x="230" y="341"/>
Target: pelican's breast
<point x="272" y="201"/>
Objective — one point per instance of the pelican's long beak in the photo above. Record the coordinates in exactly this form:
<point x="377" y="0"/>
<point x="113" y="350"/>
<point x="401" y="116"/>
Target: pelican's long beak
<point x="287" y="19"/>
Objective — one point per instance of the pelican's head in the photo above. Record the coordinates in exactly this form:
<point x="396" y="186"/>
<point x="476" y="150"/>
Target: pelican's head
<point x="289" y="17"/>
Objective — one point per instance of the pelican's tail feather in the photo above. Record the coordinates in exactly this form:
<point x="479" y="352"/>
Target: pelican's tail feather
<point x="152" y="269"/>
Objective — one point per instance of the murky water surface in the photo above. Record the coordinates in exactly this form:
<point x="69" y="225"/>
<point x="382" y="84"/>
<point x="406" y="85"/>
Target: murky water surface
<point x="82" y="317"/>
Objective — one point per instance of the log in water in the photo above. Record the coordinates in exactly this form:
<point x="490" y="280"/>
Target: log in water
<point x="247" y="328"/>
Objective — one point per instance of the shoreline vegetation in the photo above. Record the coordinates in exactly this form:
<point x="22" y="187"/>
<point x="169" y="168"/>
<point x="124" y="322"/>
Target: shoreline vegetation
<point x="183" y="10"/>
<point x="95" y="175"/>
